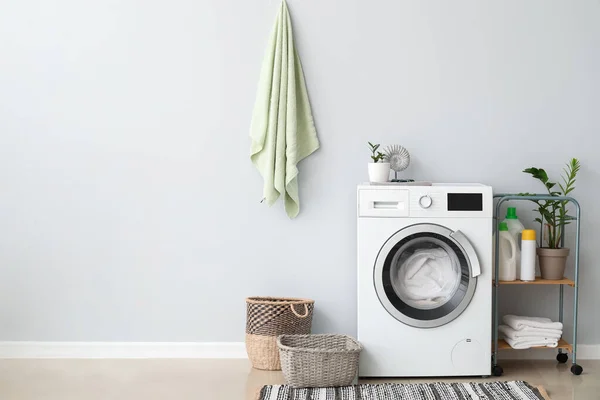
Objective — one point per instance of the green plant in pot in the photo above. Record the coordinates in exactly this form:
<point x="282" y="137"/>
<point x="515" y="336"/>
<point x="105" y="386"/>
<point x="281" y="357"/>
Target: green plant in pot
<point x="379" y="170"/>
<point x="553" y="218"/>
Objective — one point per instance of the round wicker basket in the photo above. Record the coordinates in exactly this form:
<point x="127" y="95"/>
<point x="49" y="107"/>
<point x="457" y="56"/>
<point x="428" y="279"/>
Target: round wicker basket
<point x="269" y="317"/>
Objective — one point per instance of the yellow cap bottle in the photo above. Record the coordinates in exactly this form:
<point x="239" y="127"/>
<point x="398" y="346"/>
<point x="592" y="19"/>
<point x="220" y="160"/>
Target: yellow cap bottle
<point x="528" y="252"/>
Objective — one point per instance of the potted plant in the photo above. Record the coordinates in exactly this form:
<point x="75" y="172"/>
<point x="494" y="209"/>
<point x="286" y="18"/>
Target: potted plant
<point x="379" y="171"/>
<point x="554" y="217"/>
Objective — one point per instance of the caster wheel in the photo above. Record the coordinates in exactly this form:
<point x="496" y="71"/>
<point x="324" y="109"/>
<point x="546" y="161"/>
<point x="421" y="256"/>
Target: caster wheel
<point x="562" y="358"/>
<point x="497" y="370"/>
<point x="576" y="369"/>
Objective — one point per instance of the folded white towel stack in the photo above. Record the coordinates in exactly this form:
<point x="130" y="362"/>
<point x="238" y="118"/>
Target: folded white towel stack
<point x="529" y="333"/>
<point x="525" y="332"/>
<point x="517" y="322"/>
<point x="527" y="344"/>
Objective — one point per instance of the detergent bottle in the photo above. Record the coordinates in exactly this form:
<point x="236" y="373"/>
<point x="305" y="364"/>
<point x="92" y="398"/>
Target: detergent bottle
<point x="515" y="228"/>
<point x="528" y="253"/>
<point x="507" y="249"/>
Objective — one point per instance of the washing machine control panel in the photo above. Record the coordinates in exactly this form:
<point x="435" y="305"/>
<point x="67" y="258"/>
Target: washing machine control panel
<point x="464" y="201"/>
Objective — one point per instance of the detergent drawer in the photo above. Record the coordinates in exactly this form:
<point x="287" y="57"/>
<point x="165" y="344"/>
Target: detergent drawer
<point x="383" y="203"/>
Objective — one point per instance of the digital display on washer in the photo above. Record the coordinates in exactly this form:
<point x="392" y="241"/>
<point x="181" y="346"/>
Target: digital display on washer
<point x="465" y="202"/>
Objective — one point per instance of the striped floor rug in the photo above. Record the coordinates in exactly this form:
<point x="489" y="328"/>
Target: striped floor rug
<point x="515" y="390"/>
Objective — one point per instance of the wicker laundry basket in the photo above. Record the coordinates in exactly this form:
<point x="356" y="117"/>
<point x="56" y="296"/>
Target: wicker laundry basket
<point x="318" y="360"/>
<point x="269" y="317"/>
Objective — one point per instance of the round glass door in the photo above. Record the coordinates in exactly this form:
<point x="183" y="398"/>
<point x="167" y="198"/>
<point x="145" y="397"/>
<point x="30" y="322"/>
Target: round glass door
<point x="424" y="275"/>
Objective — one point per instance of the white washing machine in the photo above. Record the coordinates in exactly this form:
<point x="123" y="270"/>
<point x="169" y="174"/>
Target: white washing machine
<point x="425" y="280"/>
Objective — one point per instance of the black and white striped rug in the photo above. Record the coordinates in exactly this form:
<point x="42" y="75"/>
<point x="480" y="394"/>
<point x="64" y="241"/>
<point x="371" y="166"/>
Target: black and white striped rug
<point x="515" y="390"/>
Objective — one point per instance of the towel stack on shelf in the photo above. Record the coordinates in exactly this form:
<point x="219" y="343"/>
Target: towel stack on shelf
<point x="525" y="332"/>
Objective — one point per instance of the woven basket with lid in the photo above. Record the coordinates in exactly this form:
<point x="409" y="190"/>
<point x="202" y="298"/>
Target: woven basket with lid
<point x="269" y="317"/>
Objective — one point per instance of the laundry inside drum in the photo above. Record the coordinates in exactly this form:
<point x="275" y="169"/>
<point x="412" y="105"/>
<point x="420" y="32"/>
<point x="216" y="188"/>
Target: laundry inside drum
<point x="425" y="273"/>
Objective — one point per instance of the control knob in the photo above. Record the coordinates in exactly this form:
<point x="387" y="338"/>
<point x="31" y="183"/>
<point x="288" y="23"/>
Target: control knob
<point x="425" y="201"/>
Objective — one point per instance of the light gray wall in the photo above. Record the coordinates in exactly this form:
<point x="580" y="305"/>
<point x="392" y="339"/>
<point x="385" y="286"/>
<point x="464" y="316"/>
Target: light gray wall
<point x="129" y="210"/>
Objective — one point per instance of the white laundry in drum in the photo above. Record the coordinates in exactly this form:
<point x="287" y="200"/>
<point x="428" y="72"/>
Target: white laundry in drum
<point x="428" y="278"/>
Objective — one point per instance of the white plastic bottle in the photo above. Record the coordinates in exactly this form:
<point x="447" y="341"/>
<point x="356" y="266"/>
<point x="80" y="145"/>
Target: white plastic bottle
<point x="528" y="252"/>
<point x="507" y="260"/>
<point x="515" y="227"/>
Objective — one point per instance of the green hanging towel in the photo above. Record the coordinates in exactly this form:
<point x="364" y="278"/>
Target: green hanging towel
<point x="282" y="131"/>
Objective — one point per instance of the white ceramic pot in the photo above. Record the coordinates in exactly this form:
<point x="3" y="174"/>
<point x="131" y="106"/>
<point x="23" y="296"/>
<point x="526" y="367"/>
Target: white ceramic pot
<point x="379" y="172"/>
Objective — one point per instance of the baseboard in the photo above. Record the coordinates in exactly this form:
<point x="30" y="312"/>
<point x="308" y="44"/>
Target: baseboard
<point x="122" y="350"/>
<point x="584" y="352"/>
<point x="204" y="350"/>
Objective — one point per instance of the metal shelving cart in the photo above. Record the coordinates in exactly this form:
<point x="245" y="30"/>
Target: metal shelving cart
<point x="563" y="346"/>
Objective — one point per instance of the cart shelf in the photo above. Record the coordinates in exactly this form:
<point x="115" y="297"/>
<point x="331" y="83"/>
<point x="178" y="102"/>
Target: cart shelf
<point x="562" y="344"/>
<point x="540" y="281"/>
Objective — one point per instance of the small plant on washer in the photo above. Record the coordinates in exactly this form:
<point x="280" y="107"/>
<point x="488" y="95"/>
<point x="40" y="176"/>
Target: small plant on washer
<point x="379" y="169"/>
<point x="377" y="156"/>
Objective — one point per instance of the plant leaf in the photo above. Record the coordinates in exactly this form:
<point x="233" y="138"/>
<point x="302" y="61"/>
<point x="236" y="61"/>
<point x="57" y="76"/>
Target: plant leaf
<point x="537" y="173"/>
<point x="548" y="216"/>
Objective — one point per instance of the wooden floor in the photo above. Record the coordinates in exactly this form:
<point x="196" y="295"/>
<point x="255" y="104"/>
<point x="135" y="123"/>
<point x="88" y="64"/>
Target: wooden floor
<point x="184" y="379"/>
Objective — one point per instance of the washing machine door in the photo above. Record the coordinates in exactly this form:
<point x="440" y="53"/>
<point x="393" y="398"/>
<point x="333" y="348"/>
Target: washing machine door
<point x="425" y="275"/>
